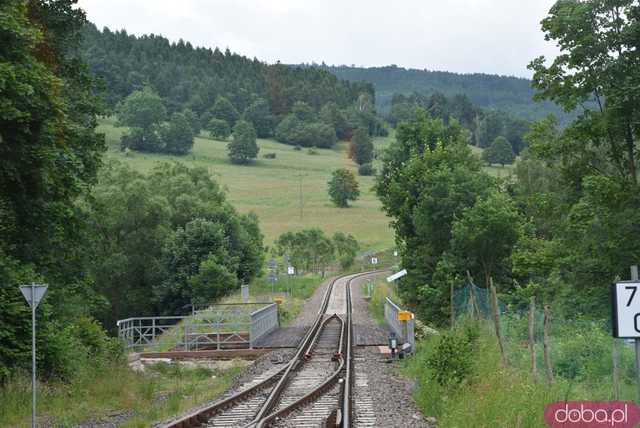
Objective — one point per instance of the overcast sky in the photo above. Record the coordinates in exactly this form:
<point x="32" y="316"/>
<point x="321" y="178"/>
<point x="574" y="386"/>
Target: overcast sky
<point x="489" y="36"/>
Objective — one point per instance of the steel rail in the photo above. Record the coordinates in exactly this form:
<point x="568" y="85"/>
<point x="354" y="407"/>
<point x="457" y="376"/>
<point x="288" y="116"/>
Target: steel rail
<point x="296" y="360"/>
<point x="197" y="418"/>
<point x="344" y="364"/>
<point x="306" y="345"/>
<point x="312" y="395"/>
<point x="346" y="396"/>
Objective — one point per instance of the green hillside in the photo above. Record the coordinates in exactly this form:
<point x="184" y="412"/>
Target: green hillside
<point x="507" y="93"/>
<point x="271" y="187"/>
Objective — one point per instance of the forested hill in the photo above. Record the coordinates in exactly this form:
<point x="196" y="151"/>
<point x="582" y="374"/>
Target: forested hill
<point x="192" y="77"/>
<point x="510" y="94"/>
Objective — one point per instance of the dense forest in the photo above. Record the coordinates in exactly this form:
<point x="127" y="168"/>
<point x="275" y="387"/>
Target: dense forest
<point x="211" y="89"/>
<point x="511" y="94"/>
<point x="193" y="77"/>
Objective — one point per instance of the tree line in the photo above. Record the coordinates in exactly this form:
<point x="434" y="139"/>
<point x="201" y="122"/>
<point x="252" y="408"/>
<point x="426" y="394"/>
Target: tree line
<point x="310" y="250"/>
<point x="491" y="92"/>
<point x="212" y="90"/>
<point x="485" y="125"/>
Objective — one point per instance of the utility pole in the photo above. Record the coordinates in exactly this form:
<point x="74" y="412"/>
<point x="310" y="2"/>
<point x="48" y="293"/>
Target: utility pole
<point x="301" y="200"/>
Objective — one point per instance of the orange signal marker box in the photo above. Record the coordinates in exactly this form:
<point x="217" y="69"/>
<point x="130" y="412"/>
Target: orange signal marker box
<point x="404" y="316"/>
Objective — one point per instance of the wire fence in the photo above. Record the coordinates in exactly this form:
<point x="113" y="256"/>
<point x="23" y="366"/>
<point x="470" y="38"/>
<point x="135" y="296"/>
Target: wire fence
<point x="579" y="351"/>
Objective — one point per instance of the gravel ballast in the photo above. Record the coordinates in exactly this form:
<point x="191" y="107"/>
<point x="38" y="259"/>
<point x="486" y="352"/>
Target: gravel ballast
<point x="383" y="394"/>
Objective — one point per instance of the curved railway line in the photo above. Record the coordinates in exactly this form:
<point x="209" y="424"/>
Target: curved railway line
<point x="313" y="389"/>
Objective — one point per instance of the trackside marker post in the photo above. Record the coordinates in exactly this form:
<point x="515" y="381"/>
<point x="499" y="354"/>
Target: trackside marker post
<point x="625" y="301"/>
<point x="33" y="293"/>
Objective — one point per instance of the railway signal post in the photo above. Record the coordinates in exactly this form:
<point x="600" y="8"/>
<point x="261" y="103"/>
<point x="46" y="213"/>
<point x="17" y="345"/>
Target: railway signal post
<point x="626" y="314"/>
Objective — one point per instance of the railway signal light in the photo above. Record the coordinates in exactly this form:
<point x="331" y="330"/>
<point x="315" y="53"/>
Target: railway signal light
<point x="393" y="344"/>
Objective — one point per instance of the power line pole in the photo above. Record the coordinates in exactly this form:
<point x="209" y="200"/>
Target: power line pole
<point x="301" y="200"/>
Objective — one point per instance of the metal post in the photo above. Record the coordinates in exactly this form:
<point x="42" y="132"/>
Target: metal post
<point x="33" y="358"/>
<point x="300" y="190"/>
<point x="634" y="277"/>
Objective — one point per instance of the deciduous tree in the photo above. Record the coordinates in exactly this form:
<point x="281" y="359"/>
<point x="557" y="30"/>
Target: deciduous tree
<point x="141" y="109"/>
<point x="219" y="129"/>
<point x="500" y="152"/>
<point x="343" y="187"/>
<point x="363" y="147"/>
<point x="243" y="147"/>
<point x="224" y="110"/>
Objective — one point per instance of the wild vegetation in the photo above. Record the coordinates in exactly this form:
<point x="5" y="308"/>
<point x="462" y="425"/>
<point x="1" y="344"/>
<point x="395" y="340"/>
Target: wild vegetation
<point x="155" y="79"/>
<point x="343" y="187"/>
<point x="311" y="250"/>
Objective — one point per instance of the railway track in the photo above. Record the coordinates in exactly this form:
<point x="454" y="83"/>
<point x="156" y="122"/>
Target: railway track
<point x="314" y="389"/>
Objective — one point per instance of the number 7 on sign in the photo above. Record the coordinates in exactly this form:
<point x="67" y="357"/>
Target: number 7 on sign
<point x="626" y="309"/>
<point x="633" y="289"/>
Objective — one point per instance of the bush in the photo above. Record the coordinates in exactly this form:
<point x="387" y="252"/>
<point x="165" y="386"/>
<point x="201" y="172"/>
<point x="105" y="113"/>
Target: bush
<point x="71" y="347"/>
<point x="297" y="147"/>
<point x="312" y="151"/>
<point x="582" y="353"/>
<point x="218" y="129"/>
<point x="452" y="359"/>
<point x="293" y="130"/>
<point x="269" y="156"/>
<point x="366" y="169"/>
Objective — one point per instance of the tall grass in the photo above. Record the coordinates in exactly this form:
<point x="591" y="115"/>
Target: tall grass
<point x="381" y="290"/>
<point x="113" y="389"/>
<point x="494" y="396"/>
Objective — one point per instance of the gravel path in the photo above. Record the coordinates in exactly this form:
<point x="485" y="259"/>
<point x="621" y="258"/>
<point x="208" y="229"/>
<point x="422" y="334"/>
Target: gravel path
<point x="365" y="328"/>
<point x="384" y="396"/>
<point x="381" y="388"/>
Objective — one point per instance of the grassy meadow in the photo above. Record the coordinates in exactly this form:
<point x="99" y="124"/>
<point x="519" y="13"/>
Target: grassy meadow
<point x="271" y="187"/>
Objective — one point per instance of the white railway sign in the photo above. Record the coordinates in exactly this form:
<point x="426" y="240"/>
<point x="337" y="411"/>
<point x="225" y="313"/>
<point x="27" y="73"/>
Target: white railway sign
<point x="397" y="275"/>
<point x="626" y="309"/>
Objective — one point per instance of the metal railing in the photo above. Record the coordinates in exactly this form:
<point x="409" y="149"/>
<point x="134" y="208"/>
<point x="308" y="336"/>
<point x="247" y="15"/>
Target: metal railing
<point x="228" y="326"/>
<point x="404" y="330"/>
<point x="263" y="322"/>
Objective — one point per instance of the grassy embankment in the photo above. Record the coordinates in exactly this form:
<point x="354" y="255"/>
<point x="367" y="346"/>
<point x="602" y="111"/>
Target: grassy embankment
<point x="491" y="395"/>
<point x="112" y="389"/>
